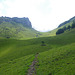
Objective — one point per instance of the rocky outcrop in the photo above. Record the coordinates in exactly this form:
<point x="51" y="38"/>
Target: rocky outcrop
<point x="24" y="21"/>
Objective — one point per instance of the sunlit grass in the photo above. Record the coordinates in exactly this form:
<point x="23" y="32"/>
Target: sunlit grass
<point x="56" y="57"/>
<point x="57" y="61"/>
<point x="16" y="67"/>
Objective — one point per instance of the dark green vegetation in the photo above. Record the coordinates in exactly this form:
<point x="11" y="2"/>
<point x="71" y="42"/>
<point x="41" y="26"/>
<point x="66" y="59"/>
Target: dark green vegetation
<point x="56" y="54"/>
<point x="68" y="25"/>
<point x="67" y="22"/>
<point x="59" y="31"/>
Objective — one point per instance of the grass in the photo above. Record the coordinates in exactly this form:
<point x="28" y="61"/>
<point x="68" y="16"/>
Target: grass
<point x="16" y="67"/>
<point x="16" y="31"/>
<point x="57" y="61"/>
<point x="56" y="58"/>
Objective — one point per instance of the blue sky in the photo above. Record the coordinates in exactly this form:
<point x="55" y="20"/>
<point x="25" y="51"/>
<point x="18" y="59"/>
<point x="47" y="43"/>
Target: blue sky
<point x="44" y="14"/>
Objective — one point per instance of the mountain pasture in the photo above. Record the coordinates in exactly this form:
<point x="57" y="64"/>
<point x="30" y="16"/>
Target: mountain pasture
<point x="55" y="58"/>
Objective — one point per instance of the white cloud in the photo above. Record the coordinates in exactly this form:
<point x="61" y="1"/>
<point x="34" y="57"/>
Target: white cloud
<point x="44" y="14"/>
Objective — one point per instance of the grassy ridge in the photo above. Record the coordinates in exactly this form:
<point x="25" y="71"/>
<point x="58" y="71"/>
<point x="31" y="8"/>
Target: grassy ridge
<point x="21" y="52"/>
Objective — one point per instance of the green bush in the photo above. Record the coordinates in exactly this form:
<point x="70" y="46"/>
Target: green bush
<point x="73" y="24"/>
<point x="64" y="28"/>
<point x="69" y="27"/>
<point x="59" y="31"/>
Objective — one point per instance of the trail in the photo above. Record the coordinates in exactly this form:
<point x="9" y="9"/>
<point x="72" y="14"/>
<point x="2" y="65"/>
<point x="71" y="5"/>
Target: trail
<point x="32" y="69"/>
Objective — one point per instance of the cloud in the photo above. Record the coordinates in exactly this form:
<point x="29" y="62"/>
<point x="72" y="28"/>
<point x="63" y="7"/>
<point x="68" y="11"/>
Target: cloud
<point x="63" y="8"/>
<point x="1" y="8"/>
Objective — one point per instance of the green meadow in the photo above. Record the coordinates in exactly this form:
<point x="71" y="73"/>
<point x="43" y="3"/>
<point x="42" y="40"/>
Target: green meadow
<point x="57" y="57"/>
<point x="57" y="61"/>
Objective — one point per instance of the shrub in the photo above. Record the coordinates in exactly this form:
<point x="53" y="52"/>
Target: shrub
<point x="43" y="43"/>
<point x="73" y="24"/>
<point x="69" y="27"/>
<point x="64" y="28"/>
<point x="59" y="31"/>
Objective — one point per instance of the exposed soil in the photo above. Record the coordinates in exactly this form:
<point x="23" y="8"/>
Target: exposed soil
<point x="32" y="69"/>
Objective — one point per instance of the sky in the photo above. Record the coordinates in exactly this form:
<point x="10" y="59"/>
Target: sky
<point x="44" y="15"/>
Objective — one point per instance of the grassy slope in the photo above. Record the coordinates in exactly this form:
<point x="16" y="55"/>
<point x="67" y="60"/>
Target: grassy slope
<point x="61" y="60"/>
<point x="16" y="31"/>
<point x="53" y="32"/>
<point x="17" y="55"/>
<point x="17" y="66"/>
<point x="57" y="61"/>
<point x="47" y="34"/>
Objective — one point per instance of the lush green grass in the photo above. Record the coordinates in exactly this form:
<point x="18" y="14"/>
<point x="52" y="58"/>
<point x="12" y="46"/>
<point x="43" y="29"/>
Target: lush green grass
<point x="18" y="66"/>
<point x="17" y="55"/>
<point x="57" y="61"/>
<point x="60" y="60"/>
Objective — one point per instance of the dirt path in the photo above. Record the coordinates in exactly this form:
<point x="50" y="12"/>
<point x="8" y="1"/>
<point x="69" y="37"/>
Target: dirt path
<point x="32" y="69"/>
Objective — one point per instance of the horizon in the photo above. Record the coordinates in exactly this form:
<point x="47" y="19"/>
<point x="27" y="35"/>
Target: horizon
<point x="45" y="15"/>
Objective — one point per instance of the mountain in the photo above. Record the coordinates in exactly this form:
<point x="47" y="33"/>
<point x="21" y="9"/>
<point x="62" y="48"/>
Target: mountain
<point x="66" y="26"/>
<point x="16" y="28"/>
<point x="66" y="22"/>
<point x="24" y="21"/>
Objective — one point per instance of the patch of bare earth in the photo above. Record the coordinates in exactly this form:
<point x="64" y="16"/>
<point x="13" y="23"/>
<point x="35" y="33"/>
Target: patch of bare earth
<point x="32" y="69"/>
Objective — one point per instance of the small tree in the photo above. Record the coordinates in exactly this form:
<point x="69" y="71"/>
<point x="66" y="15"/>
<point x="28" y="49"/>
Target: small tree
<point x="64" y="28"/>
<point x="7" y="37"/>
<point x="59" y="31"/>
<point x="73" y="24"/>
<point x="43" y="43"/>
<point x="69" y="27"/>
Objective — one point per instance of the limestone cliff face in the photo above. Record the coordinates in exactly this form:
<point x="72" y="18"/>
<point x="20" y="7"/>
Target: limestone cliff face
<point x="24" y="21"/>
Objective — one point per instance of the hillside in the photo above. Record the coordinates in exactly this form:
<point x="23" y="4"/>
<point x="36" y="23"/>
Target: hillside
<point x="21" y="28"/>
<point x="63" y="26"/>
<point x="55" y="58"/>
<point x="37" y="53"/>
<point x="16" y="28"/>
<point x="67" y="22"/>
